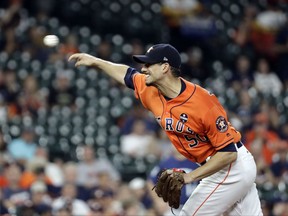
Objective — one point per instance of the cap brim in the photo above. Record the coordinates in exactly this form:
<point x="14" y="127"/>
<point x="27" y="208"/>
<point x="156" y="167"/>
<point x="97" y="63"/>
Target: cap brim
<point x="143" y="59"/>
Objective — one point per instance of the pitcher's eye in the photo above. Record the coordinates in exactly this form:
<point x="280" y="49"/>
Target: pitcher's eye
<point x="147" y="65"/>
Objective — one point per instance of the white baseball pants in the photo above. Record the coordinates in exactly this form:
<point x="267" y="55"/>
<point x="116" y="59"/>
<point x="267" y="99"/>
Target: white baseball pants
<point x="231" y="191"/>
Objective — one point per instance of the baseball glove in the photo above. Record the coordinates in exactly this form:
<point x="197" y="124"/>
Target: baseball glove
<point x="169" y="185"/>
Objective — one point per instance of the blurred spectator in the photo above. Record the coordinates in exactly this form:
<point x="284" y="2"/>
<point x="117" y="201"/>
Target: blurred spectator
<point x="242" y="73"/>
<point x="273" y="182"/>
<point x="41" y="10"/>
<point x="105" y="182"/>
<point x="199" y="28"/>
<point x="33" y="44"/>
<point x="40" y="199"/>
<point x="267" y="23"/>
<point x="279" y="166"/>
<point x="139" y="143"/>
<point x="70" y="172"/>
<point x="2" y="83"/>
<point x="123" y="192"/>
<point x="3" y="209"/>
<point x="274" y="119"/>
<point x="133" y="207"/>
<point x="13" y="195"/>
<point x="69" y="47"/>
<point x="10" y="86"/>
<point x="3" y="111"/>
<point x="104" y="50"/>
<point x="31" y="99"/>
<point x="9" y="43"/>
<point x="11" y="11"/>
<point x="34" y="172"/>
<point x="68" y="200"/>
<point x="4" y="155"/>
<point x="62" y="93"/>
<point x="280" y="208"/>
<point x="25" y="210"/>
<point x="242" y="35"/>
<point x="245" y="108"/>
<point x="103" y="202"/>
<point x="186" y="19"/>
<point x="194" y="68"/>
<point x="174" y="11"/>
<point x="272" y="18"/>
<point x="284" y="131"/>
<point x="176" y="160"/>
<point x="65" y="211"/>
<point x="53" y="170"/>
<point x="164" y="144"/>
<point x="70" y="175"/>
<point x="140" y="191"/>
<point x="266" y="81"/>
<point x="23" y="148"/>
<point x="281" y="51"/>
<point x="10" y="89"/>
<point x="93" y="171"/>
<point x="261" y="141"/>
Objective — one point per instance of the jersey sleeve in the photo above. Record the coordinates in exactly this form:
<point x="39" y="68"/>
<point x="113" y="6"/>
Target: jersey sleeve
<point x="136" y="81"/>
<point x="128" y="79"/>
<point x="218" y="129"/>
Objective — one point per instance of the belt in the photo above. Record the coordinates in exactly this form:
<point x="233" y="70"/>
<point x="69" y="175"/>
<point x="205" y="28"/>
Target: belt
<point x="238" y="144"/>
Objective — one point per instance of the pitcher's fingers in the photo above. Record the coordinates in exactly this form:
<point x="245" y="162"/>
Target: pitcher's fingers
<point x="74" y="57"/>
<point x="78" y="63"/>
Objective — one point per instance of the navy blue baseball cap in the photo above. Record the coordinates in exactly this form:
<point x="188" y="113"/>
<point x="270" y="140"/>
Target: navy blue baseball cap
<point x="160" y="53"/>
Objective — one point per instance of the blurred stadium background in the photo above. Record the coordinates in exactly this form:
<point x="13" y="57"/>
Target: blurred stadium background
<point x="52" y="115"/>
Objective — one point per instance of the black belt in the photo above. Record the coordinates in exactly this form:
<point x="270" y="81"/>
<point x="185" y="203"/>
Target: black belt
<point x="238" y="144"/>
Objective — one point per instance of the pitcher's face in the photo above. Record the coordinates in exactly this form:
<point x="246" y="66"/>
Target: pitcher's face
<point x="153" y="73"/>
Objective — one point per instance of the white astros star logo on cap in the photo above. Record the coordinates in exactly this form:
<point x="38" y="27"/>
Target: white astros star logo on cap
<point x="149" y="49"/>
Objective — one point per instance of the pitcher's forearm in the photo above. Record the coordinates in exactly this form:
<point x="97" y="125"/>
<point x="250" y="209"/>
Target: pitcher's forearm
<point x="116" y="71"/>
<point x="216" y="163"/>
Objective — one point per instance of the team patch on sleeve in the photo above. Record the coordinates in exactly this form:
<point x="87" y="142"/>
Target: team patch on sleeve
<point x="221" y="124"/>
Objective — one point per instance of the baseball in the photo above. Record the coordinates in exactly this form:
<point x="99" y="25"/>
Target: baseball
<point x="51" y="40"/>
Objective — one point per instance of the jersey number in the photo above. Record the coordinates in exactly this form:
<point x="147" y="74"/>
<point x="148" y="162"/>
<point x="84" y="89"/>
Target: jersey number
<point x="193" y="141"/>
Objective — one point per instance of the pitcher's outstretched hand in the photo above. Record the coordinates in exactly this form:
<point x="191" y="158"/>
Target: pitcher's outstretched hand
<point x="83" y="59"/>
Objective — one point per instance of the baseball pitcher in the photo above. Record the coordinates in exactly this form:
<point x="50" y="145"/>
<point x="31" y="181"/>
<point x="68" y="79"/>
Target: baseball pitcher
<point x="197" y="125"/>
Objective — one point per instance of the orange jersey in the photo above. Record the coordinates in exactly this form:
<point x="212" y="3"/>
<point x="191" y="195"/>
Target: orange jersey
<point x="195" y="121"/>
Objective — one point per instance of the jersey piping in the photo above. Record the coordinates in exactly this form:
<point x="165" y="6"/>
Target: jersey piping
<point x="171" y="116"/>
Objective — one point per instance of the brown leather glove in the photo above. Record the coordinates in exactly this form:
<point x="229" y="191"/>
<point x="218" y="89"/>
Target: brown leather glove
<point x="169" y="185"/>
